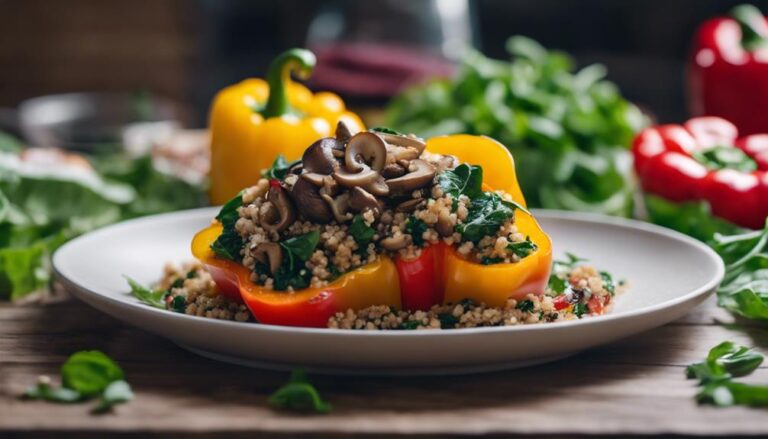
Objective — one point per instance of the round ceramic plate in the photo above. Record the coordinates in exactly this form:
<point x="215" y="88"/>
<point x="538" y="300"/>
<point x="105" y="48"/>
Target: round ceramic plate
<point x="668" y="274"/>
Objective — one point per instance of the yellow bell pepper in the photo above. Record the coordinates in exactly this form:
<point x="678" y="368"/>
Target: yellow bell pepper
<point x="252" y="122"/>
<point x="439" y="275"/>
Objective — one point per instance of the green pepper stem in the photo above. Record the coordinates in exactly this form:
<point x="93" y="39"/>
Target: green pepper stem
<point x="754" y="30"/>
<point x="298" y="61"/>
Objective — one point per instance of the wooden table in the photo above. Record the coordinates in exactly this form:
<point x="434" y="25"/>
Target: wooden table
<point x="635" y="387"/>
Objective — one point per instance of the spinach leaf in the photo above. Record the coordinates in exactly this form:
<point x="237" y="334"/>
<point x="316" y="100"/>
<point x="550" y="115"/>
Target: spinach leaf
<point x="463" y="180"/>
<point x="522" y="248"/>
<point x="153" y="298"/>
<point x="362" y="232"/>
<point x="301" y="247"/>
<point x="292" y="272"/>
<point x="416" y="228"/>
<point x="486" y="214"/>
<point x="525" y="306"/>
<point x="89" y="372"/>
<point x="557" y="284"/>
<point x="299" y="395"/>
<point x="229" y="243"/>
<point x="279" y="168"/>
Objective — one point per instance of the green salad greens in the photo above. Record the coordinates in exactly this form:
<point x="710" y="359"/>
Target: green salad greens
<point x="570" y="130"/>
<point x="41" y="207"/>
<point x="725" y="362"/>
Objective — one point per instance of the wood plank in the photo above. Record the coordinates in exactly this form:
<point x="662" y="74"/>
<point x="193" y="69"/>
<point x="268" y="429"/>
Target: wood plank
<point x="636" y="386"/>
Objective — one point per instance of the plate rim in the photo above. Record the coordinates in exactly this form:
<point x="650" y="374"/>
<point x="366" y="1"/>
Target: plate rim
<point x="703" y="290"/>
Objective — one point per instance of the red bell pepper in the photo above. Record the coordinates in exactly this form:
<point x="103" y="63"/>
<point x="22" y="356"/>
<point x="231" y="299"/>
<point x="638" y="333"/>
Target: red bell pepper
<point x="728" y="69"/>
<point x="705" y="161"/>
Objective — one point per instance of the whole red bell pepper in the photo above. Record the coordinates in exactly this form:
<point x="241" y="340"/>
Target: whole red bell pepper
<point x="704" y="160"/>
<point x="728" y="69"/>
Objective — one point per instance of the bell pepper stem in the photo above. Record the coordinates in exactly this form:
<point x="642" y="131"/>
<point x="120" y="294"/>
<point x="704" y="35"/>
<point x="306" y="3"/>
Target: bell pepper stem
<point x="754" y="30"/>
<point x="298" y="61"/>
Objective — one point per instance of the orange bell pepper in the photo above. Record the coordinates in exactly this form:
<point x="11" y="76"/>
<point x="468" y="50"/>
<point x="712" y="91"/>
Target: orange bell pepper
<point x="440" y="270"/>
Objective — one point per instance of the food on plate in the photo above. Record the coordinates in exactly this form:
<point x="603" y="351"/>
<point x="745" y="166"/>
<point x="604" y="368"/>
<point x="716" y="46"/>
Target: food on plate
<point x="255" y="120"/>
<point x="703" y="161"/>
<point x="571" y="129"/>
<point x="728" y="69"/>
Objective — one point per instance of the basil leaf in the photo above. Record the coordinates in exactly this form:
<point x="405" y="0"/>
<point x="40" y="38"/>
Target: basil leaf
<point x="118" y="392"/>
<point x="362" y="232"/>
<point x="229" y="243"/>
<point x="299" y="395"/>
<point x="486" y="214"/>
<point x="154" y="298"/>
<point x="462" y="180"/>
<point x="89" y="372"/>
<point x="279" y="168"/>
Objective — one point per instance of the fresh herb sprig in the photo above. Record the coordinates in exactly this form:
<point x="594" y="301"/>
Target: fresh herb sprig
<point x="84" y="376"/>
<point x="299" y="395"/>
<point x="715" y="375"/>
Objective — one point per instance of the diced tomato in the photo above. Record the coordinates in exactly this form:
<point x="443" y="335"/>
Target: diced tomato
<point x="561" y="302"/>
<point x="596" y="305"/>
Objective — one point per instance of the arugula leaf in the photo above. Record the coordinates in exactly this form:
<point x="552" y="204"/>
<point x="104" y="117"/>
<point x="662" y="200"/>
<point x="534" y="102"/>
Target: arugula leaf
<point x="118" y="392"/>
<point x="362" y="232"/>
<point x="299" y="395"/>
<point x="462" y="180"/>
<point x="486" y="214"/>
<point x="279" y="168"/>
<point x="89" y="372"/>
<point x="153" y="298"/>
<point x="229" y="243"/>
<point x="522" y="248"/>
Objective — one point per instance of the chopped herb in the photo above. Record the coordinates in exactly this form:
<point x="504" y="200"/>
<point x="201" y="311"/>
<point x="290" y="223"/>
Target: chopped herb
<point x="279" y="168"/>
<point x="467" y="303"/>
<point x="525" y="306"/>
<point x="485" y="216"/>
<point x="178" y="283"/>
<point x="299" y="395"/>
<point x="579" y="309"/>
<point x="522" y="248"/>
<point x="608" y="283"/>
<point x="179" y="304"/>
<point x="490" y="261"/>
<point x="447" y="320"/>
<point x="416" y="228"/>
<point x="229" y="243"/>
<point x="385" y="130"/>
<point x="362" y="232"/>
<point x="724" y="362"/>
<point x="410" y="324"/>
<point x="463" y="180"/>
<point x="191" y="274"/>
<point x="154" y="298"/>
<point x="557" y="284"/>
<point x="569" y="264"/>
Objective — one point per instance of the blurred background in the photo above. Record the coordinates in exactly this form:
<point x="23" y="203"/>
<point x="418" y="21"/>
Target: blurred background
<point x="185" y="50"/>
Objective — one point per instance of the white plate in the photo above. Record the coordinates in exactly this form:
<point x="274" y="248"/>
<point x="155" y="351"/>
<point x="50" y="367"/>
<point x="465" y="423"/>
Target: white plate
<point x="668" y="274"/>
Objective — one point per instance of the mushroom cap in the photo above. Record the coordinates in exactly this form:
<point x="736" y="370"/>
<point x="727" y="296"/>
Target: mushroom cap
<point x="378" y="187"/>
<point x="421" y="174"/>
<point x="310" y="204"/>
<point x="408" y="206"/>
<point x="349" y="179"/>
<point x="407" y="141"/>
<point x="269" y="253"/>
<point x="343" y="133"/>
<point x="365" y="148"/>
<point x="360" y="200"/>
<point x="319" y="156"/>
<point x="393" y="170"/>
<point x="280" y="213"/>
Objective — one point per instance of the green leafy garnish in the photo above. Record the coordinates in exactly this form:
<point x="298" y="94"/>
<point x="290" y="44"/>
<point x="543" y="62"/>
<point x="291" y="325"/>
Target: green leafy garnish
<point x="522" y="248"/>
<point x="463" y="180"/>
<point x="525" y="306"/>
<point x="179" y="304"/>
<point x="579" y="309"/>
<point x="362" y="232"/>
<point x="301" y="247"/>
<point x="410" y="324"/>
<point x="608" y="283"/>
<point x="447" y="320"/>
<point x="557" y="284"/>
<point x="725" y="157"/>
<point x="292" y="272"/>
<point x="299" y="395"/>
<point x="486" y="214"/>
<point x="716" y="385"/>
<point x="229" y="243"/>
<point x="279" y="168"/>
<point x="154" y="298"/>
<point x="416" y="228"/>
<point x="570" y="129"/>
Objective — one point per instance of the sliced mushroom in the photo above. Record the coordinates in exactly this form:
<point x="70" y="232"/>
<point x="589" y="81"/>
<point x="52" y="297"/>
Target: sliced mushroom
<point x="330" y="187"/>
<point x="444" y="226"/>
<point x="408" y="206"/>
<point x="319" y="156"/>
<point x="349" y="179"/>
<point x="270" y="254"/>
<point x="397" y="153"/>
<point x="408" y="141"/>
<point x="310" y="204"/>
<point x="280" y="214"/>
<point x="392" y="170"/>
<point x="378" y="187"/>
<point x="394" y="243"/>
<point x="365" y="149"/>
<point x="361" y="200"/>
<point x="343" y="134"/>
<point x="314" y="178"/>
<point x="339" y="206"/>
<point x="421" y="173"/>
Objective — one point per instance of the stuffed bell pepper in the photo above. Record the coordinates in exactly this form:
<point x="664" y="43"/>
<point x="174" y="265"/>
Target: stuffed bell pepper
<point x="728" y="69"/>
<point x="703" y="162"/>
<point x="254" y="121"/>
<point x="376" y="218"/>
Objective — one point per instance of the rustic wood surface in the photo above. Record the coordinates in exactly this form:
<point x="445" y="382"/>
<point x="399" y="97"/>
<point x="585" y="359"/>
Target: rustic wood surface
<point x="631" y="388"/>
